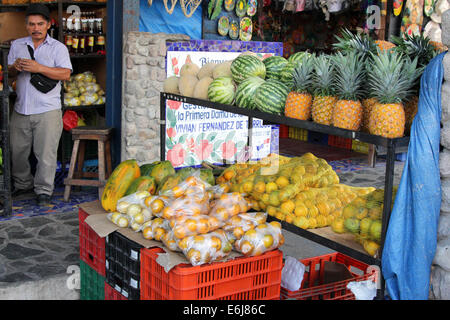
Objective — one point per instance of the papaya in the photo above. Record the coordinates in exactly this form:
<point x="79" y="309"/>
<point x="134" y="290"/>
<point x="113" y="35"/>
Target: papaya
<point x="172" y="180"/>
<point x="118" y="183"/>
<point x="160" y="170"/>
<point x="147" y="168"/>
<point x="207" y="176"/>
<point x="142" y="183"/>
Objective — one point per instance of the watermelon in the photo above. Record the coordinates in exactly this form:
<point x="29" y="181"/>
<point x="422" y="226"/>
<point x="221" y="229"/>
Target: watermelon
<point x="271" y="96"/>
<point x="245" y="92"/>
<point x="222" y="90"/>
<point x="298" y="57"/>
<point x="287" y="75"/>
<point x="274" y="65"/>
<point x="245" y="66"/>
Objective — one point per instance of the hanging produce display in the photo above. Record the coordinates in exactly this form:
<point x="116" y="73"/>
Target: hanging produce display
<point x="234" y="18"/>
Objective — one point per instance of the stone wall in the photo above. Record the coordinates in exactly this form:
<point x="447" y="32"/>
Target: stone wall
<point x="144" y="68"/>
<point x="440" y="275"/>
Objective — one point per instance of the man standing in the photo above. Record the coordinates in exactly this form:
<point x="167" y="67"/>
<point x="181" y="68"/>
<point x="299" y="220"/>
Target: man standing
<point x="37" y="117"/>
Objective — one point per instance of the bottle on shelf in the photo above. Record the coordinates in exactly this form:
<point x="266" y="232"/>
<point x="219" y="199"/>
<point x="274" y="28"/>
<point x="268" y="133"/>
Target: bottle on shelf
<point x="68" y="34"/>
<point x="53" y="31"/>
<point x="76" y="36"/>
<point x="91" y="36"/>
<point x="100" y="40"/>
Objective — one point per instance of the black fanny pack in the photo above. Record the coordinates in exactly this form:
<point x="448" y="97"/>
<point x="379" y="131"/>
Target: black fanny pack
<point x="42" y="83"/>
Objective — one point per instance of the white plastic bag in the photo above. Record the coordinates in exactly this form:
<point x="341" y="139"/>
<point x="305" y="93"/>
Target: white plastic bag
<point x="292" y="274"/>
<point x="363" y="290"/>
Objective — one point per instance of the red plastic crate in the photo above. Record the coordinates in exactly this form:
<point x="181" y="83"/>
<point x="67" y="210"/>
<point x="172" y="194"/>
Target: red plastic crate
<point x="284" y="131"/>
<point x="243" y="278"/>
<point x="340" y="142"/>
<point x="112" y="294"/>
<point x="312" y="287"/>
<point x="92" y="247"/>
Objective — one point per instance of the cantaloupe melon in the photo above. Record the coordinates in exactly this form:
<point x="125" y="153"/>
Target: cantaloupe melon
<point x="171" y="85"/>
<point x="186" y="84"/>
<point x="189" y="68"/>
<point x="206" y="70"/>
<point x="201" y="88"/>
<point x="222" y="70"/>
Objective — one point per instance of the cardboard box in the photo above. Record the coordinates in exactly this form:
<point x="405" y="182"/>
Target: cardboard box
<point x="98" y="221"/>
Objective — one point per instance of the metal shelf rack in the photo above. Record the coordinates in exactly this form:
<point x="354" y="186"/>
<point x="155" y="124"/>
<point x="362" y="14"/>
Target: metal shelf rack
<point x="335" y="244"/>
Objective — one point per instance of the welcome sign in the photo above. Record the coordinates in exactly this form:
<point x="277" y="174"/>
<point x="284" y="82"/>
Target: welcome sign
<point x="196" y="133"/>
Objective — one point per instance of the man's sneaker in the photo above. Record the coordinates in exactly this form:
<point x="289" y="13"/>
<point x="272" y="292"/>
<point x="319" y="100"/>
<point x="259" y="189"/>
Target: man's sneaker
<point x="43" y="199"/>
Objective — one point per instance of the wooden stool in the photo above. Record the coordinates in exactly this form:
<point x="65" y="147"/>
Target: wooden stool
<point x="75" y="177"/>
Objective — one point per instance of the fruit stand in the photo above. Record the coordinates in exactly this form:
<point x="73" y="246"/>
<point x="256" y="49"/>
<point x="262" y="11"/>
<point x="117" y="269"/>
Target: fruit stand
<point x="340" y="242"/>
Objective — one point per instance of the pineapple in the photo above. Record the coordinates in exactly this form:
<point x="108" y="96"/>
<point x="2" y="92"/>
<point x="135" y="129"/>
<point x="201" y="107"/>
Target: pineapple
<point x="349" y="42"/>
<point x="362" y="43"/>
<point x="391" y="78"/>
<point x="324" y="98"/>
<point x="299" y="101"/>
<point x="367" y="104"/>
<point x="416" y="46"/>
<point x="425" y="50"/>
<point x="384" y="45"/>
<point x="347" y="83"/>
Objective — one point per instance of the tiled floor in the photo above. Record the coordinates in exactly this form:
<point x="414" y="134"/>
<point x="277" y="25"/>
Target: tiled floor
<point x="25" y="206"/>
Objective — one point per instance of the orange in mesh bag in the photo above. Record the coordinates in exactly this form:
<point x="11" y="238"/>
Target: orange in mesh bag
<point x="189" y="186"/>
<point x="155" y="229"/>
<point x="187" y="205"/>
<point x="236" y="226"/>
<point x="205" y="248"/>
<point x="228" y="205"/>
<point x="264" y="237"/>
<point x="184" y="226"/>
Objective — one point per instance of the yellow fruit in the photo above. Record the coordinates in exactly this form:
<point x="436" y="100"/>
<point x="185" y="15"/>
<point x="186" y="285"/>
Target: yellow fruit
<point x="260" y="187"/>
<point x="321" y="221"/>
<point x="282" y="181"/>
<point x="158" y="233"/>
<point x="347" y="114"/>
<point x="387" y="120"/>
<point x="271" y="186"/>
<point x="280" y="215"/>
<point x="362" y="213"/>
<point x="275" y="224"/>
<point x="194" y="255"/>
<point x="157" y="205"/>
<point x="349" y="211"/>
<point x="324" y="208"/>
<point x="147" y="233"/>
<point x="300" y="210"/>
<point x="289" y="217"/>
<point x="301" y="222"/>
<point x="371" y="247"/>
<point x="288" y="206"/>
<point x="338" y="225"/>
<point x="268" y="241"/>
<point x="238" y="232"/>
<point x="312" y="222"/>
<point x="246" y="247"/>
<point x="313" y="211"/>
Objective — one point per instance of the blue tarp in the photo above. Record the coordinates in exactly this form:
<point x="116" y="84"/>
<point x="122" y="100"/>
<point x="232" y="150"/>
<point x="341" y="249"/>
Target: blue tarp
<point x="411" y="237"/>
<point x="155" y="18"/>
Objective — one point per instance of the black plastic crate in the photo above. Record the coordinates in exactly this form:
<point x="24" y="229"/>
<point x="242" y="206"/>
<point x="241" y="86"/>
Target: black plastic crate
<point x="122" y="265"/>
<point x="318" y="138"/>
